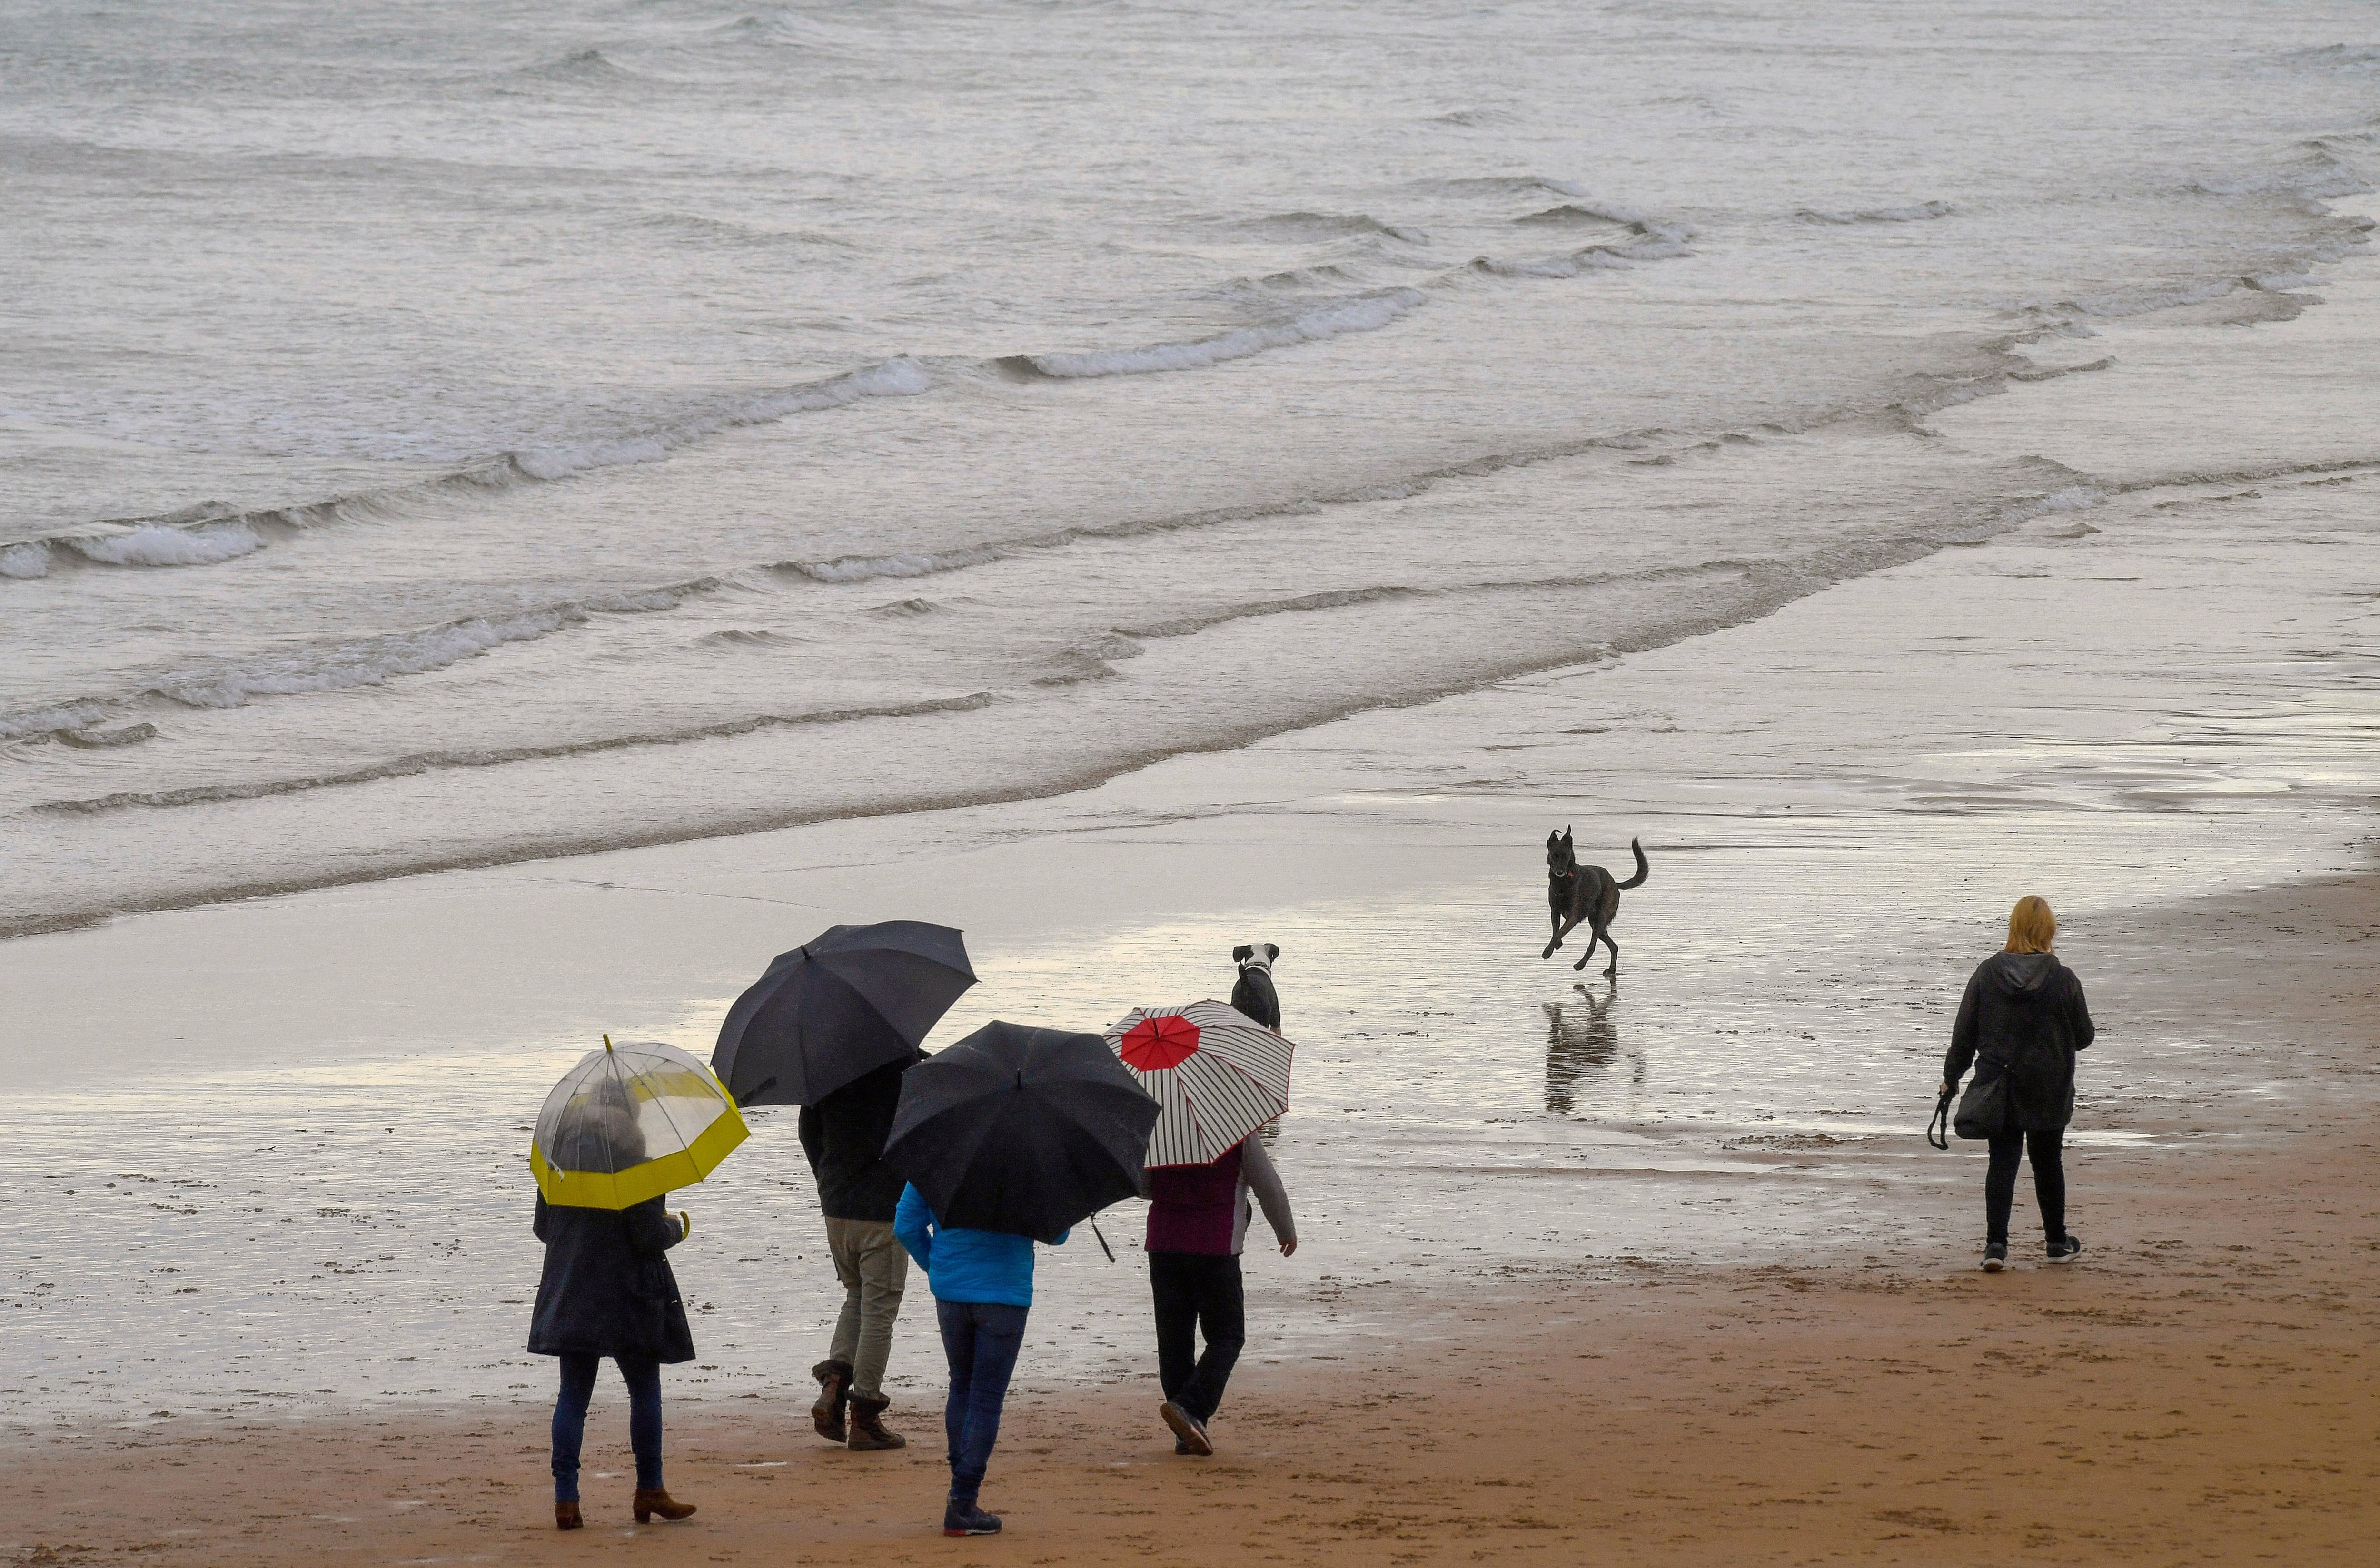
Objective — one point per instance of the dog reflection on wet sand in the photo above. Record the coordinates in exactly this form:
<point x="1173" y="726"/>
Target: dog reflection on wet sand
<point x="1582" y="1040"/>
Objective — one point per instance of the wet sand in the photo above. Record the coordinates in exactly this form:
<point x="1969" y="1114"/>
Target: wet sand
<point x="2198" y="1389"/>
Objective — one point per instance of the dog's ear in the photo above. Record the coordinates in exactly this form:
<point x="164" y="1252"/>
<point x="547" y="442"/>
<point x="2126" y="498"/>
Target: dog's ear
<point x="1565" y="838"/>
<point x="1243" y="953"/>
<point x="1272" y="952"/>
<point x="1553" y="840"/>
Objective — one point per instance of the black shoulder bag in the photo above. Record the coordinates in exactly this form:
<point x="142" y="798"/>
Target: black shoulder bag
<point x="1982" y="1109"/>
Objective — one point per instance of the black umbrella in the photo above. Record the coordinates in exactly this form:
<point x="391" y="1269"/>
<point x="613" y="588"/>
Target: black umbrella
<point x="1023" y="1130"/>
<point x="843" y="1004"/>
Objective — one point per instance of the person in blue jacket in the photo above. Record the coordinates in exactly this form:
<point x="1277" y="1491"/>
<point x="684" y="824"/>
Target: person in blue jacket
<point x="982" y="1282"/>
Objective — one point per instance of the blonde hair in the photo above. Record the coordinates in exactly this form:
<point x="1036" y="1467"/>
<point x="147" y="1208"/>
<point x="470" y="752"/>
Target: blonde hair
<point x="2032" y="928"/>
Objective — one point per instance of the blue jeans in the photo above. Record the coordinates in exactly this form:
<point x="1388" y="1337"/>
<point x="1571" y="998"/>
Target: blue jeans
<point x="644" y="1379"/>
<point x="981" y="1338"/>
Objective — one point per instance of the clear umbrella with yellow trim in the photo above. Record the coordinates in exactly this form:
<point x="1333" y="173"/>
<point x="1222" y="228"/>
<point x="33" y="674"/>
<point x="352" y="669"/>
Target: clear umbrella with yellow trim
<point x="630" y="1122"/>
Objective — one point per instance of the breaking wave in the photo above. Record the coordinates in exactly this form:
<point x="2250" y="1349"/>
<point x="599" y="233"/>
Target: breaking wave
<point x="498" y="756"/>
<point x="1340" y="598"/>
<point x="1365" y="314"/>
<point x="1311" y="226"/>
<point x="213" y="532"/>
<point x="369" y="661"/>
<point x="1920" y="213"/>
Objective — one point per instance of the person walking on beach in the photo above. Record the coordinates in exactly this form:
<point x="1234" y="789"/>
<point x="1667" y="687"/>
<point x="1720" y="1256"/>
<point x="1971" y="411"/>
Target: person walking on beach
<point x="608" y="1289"/>
<point x="1253" y="993"/>
<point x="982" y="1283"/>
<point x="843" y="1136"/>
<point x="2020" y="1024"/>
<point x="1197" y="1224"/>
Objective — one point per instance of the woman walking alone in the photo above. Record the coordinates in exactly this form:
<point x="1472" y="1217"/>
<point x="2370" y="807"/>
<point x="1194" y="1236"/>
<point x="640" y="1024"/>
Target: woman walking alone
<point x="2020" y="1025"/>
<point x="608" y="1290"/>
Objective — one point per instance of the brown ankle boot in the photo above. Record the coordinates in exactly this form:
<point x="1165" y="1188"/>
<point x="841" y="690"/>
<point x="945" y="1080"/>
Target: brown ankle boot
<point x="658" y="1500"/>
<point x="566" y="1516"/>
<point x="867" y="1430"/>
<point x="834" y="1392"/>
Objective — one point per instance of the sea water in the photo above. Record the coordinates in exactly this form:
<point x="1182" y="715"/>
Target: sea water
<point x="445" y="435"/>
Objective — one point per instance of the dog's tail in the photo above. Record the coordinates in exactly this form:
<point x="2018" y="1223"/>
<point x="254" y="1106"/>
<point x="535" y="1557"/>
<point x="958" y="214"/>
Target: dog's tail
<point x="1643" y="871"/>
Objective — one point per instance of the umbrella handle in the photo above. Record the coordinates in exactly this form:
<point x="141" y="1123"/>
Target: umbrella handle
<point x="1103" y="1241"/>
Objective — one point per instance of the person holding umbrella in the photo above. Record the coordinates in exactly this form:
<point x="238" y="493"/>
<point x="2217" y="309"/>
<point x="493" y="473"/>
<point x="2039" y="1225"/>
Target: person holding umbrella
<point x="843" y="1137"/>
<point x="1218" y="1076"/>
<point x="621" y="1129"/>
<point x="1013" y="1135"/>
<point x="833" y="1027"/>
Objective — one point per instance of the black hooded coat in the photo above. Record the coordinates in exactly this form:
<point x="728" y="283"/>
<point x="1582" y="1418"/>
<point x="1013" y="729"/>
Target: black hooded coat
<point x="607" y="1289"/>
<point x="2022" y="1017"/>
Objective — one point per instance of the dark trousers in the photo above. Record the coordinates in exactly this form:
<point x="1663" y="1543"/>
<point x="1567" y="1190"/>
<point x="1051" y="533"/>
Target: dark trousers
<point x="643" y="1377"/>
<point x="981" y="1339"/>
<point x="1196" y="1292"/>
<point x="2049" y="1182"/>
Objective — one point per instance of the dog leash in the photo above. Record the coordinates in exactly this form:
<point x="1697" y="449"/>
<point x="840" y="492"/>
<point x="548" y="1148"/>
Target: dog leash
<point x="1937" y="1132"/>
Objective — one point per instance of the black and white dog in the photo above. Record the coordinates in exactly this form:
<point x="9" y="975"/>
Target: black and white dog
<point x="1253" y="993"/>
<point x="1586" y="893"/>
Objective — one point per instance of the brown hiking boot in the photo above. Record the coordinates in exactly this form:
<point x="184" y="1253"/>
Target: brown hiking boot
<point x="658" y="1500"/>
<point x="867" y="1430"/>
<point x="834" y="1392"/>
<point x="566" y="1516"/>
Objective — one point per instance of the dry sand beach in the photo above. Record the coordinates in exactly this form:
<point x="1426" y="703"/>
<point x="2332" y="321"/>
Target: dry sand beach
<point x="1652" y="1273"/>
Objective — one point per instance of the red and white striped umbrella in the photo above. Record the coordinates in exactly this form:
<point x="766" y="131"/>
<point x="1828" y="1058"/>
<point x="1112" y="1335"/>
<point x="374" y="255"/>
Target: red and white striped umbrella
<point x="1216" y="1073"/>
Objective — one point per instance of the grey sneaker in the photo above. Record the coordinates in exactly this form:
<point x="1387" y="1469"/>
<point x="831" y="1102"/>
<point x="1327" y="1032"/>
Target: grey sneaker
<point x="1995" y="1257"/>
<point x="2066" y="1252"/>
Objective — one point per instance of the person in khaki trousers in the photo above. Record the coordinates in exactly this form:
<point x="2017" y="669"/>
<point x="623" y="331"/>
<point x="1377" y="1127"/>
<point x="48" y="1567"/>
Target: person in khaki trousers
<point x="843" y="1136"/>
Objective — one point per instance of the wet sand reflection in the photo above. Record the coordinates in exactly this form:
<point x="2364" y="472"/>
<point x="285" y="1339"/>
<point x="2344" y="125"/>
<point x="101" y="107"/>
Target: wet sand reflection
<point x="1583" y="1040"/>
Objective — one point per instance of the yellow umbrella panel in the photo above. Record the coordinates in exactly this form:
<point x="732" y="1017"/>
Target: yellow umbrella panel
<point x="630" y="1122"/>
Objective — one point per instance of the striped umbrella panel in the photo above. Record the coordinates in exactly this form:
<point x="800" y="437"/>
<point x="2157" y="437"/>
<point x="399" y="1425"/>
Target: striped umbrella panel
<point x="1216" y="1075"/>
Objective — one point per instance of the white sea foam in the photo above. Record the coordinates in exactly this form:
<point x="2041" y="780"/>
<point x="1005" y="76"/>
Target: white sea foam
<point x="43" y="722"/>
<point x="1365" y="314"/>
<point x="155" y="543"/>
<point x="31" y="559"/>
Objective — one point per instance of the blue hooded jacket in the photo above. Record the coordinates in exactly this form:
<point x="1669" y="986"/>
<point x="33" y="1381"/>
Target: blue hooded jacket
<point x="966" y="1265"/>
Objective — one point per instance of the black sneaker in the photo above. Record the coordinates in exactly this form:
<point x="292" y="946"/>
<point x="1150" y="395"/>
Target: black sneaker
<point x="1995" y="1257"/>
<point x="1189" y="1432"/>
<point x="966" y="1519"/>
<point x="2066" y="1252"/>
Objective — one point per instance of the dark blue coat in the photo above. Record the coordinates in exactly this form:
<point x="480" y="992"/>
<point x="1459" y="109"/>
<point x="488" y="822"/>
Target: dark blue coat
<point x="607" y="1289"/>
